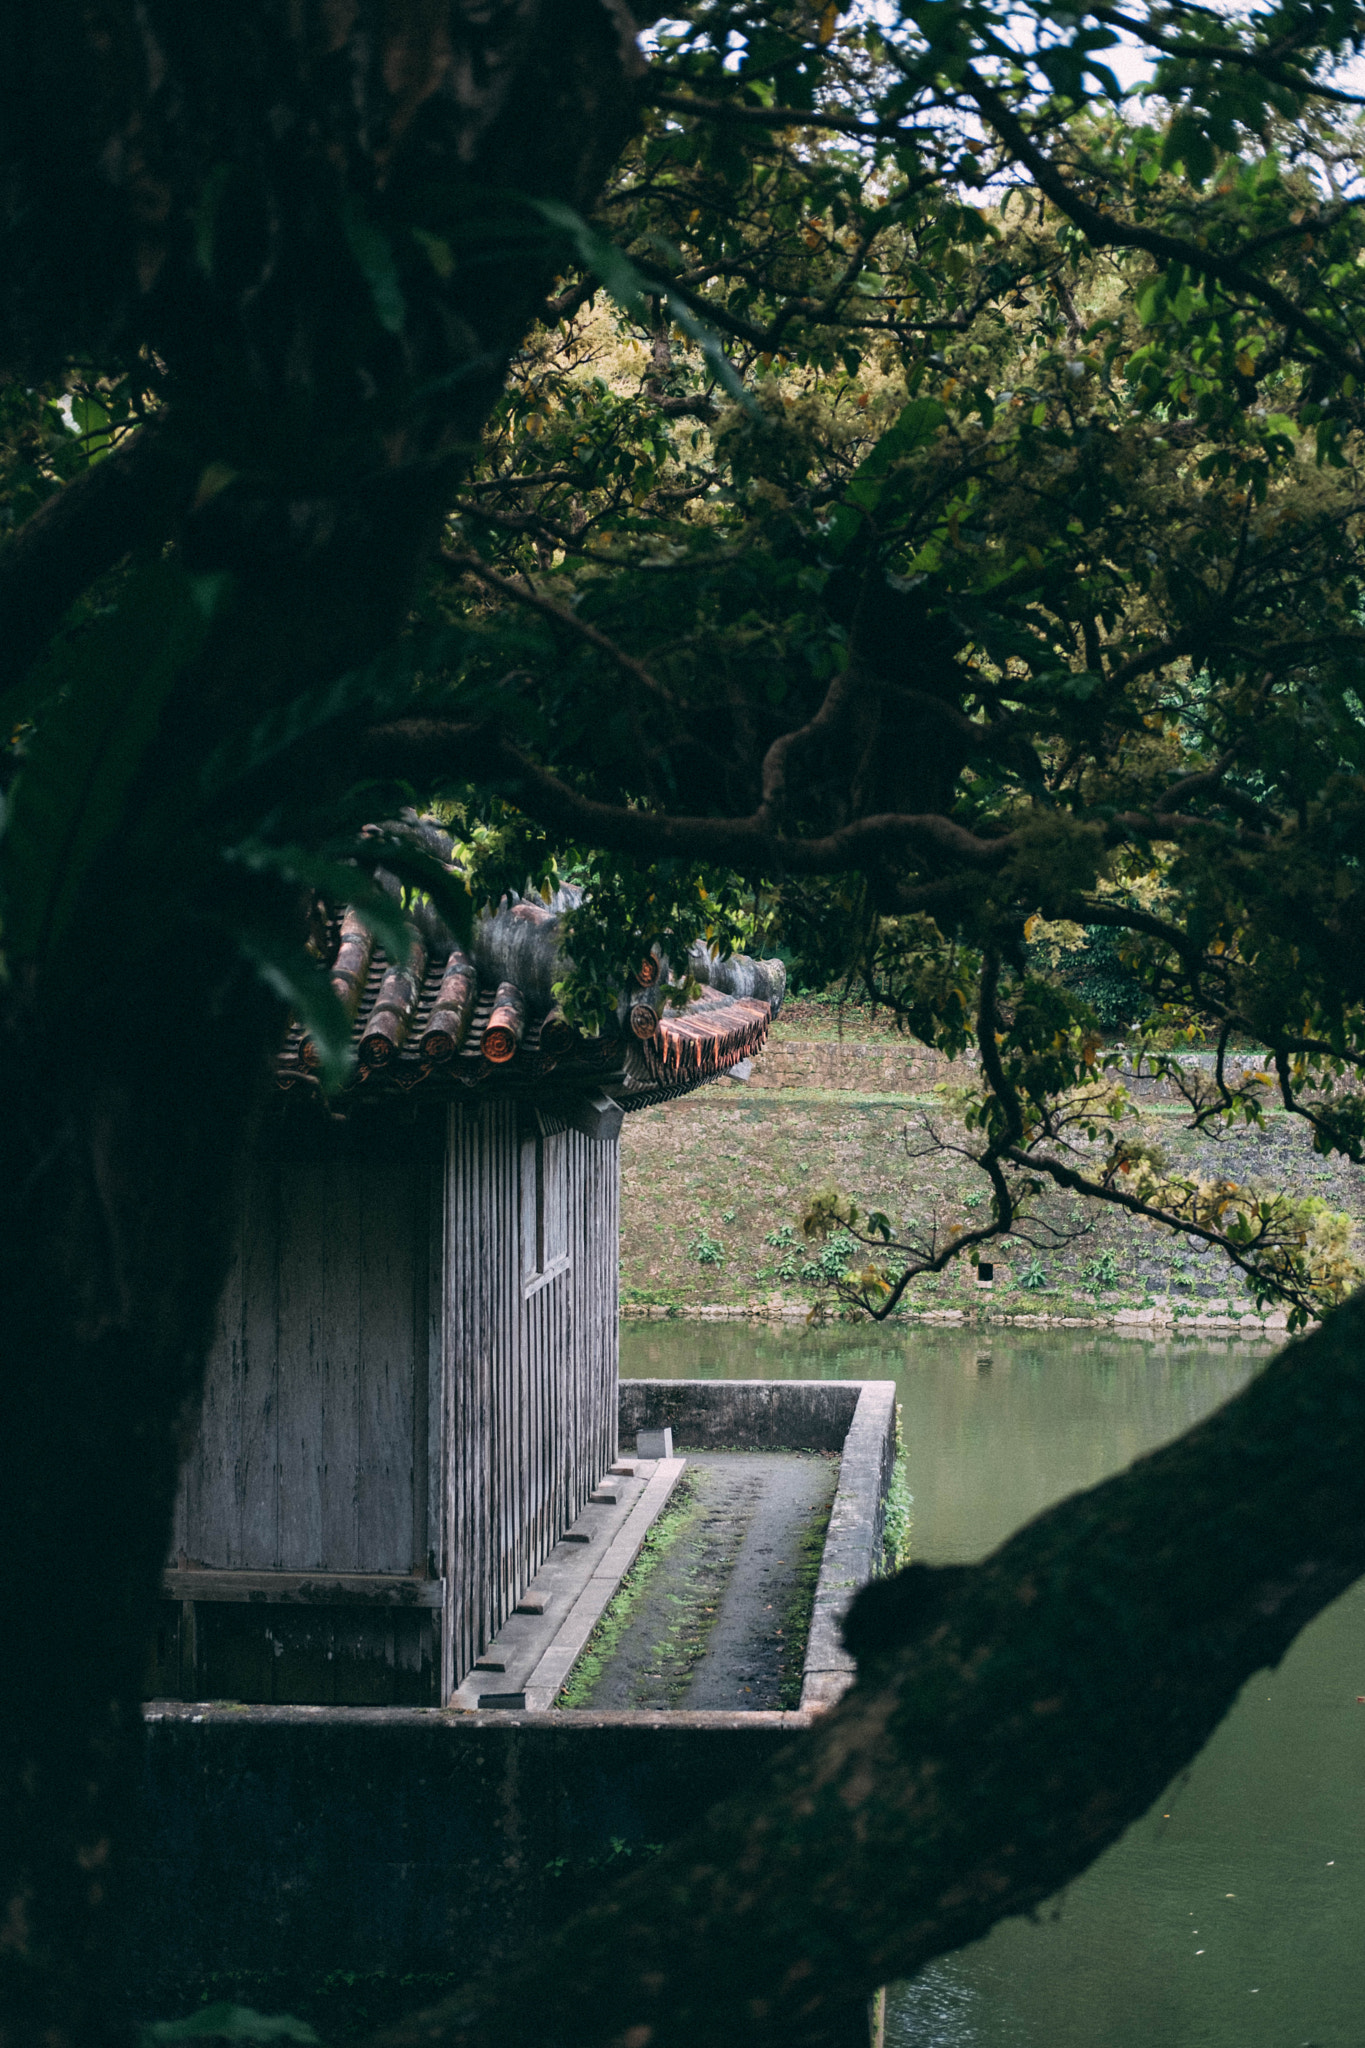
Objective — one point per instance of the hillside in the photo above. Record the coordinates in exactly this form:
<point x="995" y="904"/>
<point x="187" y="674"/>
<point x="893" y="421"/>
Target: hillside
<point x="713" y="1187"/>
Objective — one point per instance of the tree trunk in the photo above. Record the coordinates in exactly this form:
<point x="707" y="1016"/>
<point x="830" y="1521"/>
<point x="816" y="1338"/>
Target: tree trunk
<point x="1009" y="1722"/>
<point x="222" y="189"/>
<point x="119" y="1169"/>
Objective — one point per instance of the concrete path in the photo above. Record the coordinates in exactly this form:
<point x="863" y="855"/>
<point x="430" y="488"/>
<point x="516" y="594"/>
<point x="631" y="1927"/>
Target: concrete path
<point x="719" y="1619"/>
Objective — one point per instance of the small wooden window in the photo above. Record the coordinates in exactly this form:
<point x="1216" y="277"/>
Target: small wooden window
<point x="544" y="1203"/>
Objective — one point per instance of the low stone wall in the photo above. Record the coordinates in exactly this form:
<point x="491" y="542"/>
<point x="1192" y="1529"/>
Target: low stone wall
<point x="855" y="1541"/>
<point x="882" y="1067"/>
<point x="741" y="1415"/>
<point x="282" y="1844"/>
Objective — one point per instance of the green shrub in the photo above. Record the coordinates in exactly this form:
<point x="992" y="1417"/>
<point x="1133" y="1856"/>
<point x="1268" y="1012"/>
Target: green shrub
<point x="899" y="1519"/>
<point x="1100" y="1272"/>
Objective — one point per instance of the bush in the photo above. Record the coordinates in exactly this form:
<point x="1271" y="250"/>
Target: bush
<point x="1100" y="1272"/>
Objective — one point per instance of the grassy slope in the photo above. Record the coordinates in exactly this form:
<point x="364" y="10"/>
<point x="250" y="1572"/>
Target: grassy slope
<point x="706" y="1179"/>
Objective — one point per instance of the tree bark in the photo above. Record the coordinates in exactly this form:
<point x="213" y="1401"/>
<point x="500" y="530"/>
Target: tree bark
<point x="1009" y="1722"/>
<point x="118" y="1171"/>
<point x="313" y="456"/>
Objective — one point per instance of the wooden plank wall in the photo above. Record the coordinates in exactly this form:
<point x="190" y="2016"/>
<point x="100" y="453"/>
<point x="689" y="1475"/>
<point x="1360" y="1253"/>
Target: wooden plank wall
<point x="332" y="1436"/>
<point x="531" y="1361"/>
<point x="313" y="1450"/>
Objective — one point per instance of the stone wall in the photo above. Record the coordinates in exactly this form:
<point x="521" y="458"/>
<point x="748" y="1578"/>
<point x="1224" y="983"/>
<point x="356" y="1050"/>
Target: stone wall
<point x="882" y="1067"/>
<point x="714" y="1188"/>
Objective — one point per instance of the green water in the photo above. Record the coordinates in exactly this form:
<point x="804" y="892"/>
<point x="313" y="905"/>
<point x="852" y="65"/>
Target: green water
<point x="1147" y="1950"/>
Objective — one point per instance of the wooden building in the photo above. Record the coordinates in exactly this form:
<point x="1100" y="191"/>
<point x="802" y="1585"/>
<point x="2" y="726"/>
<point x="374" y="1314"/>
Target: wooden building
<point x="413" y="1387"/>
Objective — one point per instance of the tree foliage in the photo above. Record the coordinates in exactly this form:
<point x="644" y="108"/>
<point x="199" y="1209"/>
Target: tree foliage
<point x="915" y="493"/>
<point x="1025" y="587"/>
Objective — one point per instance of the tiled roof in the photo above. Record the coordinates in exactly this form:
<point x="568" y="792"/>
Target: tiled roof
<point x="452" y="1024"/>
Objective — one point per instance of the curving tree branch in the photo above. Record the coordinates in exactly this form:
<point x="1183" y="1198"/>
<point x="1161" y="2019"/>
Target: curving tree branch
<point x="430" y="749"/>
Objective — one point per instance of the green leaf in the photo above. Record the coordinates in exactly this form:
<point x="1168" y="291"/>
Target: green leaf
<point x="102" y="691"/>
<point x="1186" y="143"/>
<point x="380" y="685"/>
<point x="298" y="980"/>
<point x="914" y="427"/>
<point x="337" y="880"/>
<point x="206" y="214"/>
<point x="631" y="288"/>
<point x="419" y="870"/>
<point x="373" y="254"/>
<point x="227" y="2023"/>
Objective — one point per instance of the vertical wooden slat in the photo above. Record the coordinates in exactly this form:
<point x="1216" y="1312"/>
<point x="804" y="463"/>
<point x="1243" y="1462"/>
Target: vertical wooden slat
<point x="480" y="1433"/>
<point x="477" y="1428"/>
<point x="387" y="1336"/>
<point x="428" y="1519"/>
<point x="226" y="1510"/>
<point x="463" y="1388"/>
<point x="441" y="1394"/>
<point x="210" y="1473"/>
<point x="454" y="1558"/>
<point x="257" y="1531"/>
<point x="457" y="1369"/>
<point x="337" y="1315"/>
<point x="509" y="1350"/>
<point x="299" y="1540"/>
<point x="530" y="1378"/>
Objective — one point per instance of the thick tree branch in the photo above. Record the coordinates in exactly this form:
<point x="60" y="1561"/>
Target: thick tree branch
<point x="429" y="749"/>
<point x="738" y="114"/>
<point x="1009" y="1722"/>
<point x="1263" y="62"/>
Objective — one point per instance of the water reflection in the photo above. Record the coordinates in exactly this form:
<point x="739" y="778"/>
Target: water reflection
<point x="1236" y="1921"/>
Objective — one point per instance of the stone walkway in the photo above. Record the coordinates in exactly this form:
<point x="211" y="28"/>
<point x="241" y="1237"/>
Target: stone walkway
<point x="716" y="1614"/>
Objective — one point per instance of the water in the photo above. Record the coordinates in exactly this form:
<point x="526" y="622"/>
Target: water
<point x="1236" y="1922"/>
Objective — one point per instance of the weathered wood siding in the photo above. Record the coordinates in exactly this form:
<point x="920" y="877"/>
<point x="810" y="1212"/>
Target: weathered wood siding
<point x="415" y="1366"/>
<point x="313" y="1450"/>
<point x="531" y="1349"/>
